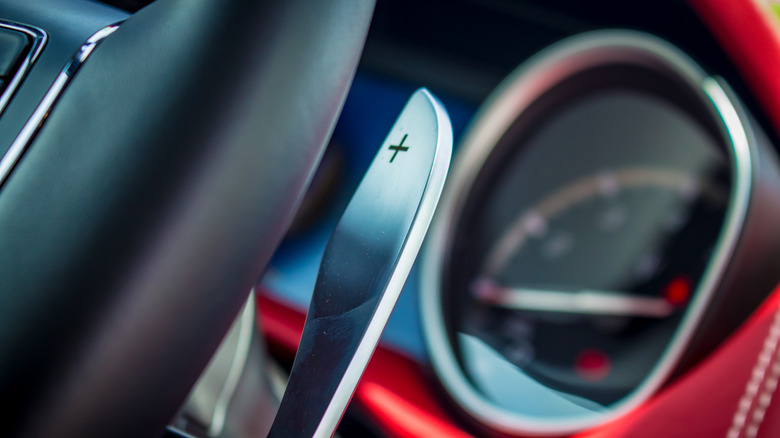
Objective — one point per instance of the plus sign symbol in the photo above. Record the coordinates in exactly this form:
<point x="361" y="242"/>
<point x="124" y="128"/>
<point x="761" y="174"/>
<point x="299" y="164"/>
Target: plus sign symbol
<point x="396" y="148"/>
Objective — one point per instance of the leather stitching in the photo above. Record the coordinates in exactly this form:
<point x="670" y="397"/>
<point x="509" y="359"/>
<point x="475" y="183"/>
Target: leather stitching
<point x="767" y="391"/>
<point x="769" y="356"/>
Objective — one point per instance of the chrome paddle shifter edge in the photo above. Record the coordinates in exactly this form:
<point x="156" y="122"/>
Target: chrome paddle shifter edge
<point x="364" y="268"/>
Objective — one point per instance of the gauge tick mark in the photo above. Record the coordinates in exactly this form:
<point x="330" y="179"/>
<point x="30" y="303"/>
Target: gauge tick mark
<point x="399" y="148"/>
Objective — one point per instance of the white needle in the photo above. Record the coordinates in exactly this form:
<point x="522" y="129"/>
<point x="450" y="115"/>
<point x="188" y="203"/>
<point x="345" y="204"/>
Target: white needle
<point x="580" y="302"/>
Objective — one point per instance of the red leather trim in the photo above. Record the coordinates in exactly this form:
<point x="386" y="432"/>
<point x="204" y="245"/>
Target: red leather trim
<point x="281" y="324"/>
<point x="748" y="32"/>
<point x="398" y="397"/>
<point x="706" y="401"/>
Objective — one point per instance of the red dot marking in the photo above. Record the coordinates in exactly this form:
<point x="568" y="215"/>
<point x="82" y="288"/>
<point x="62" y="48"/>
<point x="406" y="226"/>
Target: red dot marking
<point x="592" y="365"/>
<point x="678" y="290"/>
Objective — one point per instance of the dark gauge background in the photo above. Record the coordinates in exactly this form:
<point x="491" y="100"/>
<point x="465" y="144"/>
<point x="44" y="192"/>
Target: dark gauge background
<point x="648" y="230"/>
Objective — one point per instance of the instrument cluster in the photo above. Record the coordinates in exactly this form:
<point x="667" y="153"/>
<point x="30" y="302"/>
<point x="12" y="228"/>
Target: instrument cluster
<point x="584" y="247"/>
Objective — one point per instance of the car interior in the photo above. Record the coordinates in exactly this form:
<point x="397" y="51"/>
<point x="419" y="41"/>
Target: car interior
<point x="389" y="218"/>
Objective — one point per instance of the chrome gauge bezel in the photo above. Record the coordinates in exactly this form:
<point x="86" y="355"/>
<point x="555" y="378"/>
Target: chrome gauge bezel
<point x="522" y="88"/>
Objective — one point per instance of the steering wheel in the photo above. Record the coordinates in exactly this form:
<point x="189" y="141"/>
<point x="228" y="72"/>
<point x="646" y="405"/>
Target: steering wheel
<point x="152" y="195"/>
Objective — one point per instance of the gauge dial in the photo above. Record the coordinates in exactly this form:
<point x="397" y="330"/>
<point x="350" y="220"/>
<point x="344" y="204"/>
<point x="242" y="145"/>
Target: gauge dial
<point x="565" y="297"/>
<point x="578" y="278"/>
<point x="582" y="235"/>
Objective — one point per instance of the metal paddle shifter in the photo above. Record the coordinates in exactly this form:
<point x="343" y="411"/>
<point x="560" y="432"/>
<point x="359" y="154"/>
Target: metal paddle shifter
<point x="364" y="268"/>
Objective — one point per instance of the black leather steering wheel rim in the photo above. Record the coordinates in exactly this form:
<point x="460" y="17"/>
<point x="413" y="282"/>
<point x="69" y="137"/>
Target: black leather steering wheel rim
<point x="156" y="191"/>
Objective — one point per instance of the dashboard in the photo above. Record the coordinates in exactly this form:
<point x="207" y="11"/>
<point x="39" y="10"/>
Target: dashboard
<point x="590" y="239"/>
<point x="602" y="263"/>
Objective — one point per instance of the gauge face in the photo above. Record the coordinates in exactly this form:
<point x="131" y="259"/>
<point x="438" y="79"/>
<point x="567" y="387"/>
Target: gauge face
<point x="583" y="290"/>
<point x="578" y="247"/>
<point x="582" y="245"/>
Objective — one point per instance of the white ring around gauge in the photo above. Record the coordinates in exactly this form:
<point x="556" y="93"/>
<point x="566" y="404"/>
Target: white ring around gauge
<point x="508" y="102"/>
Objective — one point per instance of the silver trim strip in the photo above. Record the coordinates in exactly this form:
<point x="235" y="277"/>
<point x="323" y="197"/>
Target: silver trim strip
<point x="38" y="39"/>
<point x="506" y="104"/>
<point x="33" y="125"/>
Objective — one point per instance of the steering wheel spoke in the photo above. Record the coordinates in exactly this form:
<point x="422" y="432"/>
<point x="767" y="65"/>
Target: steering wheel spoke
<point x="153" y="194"/>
